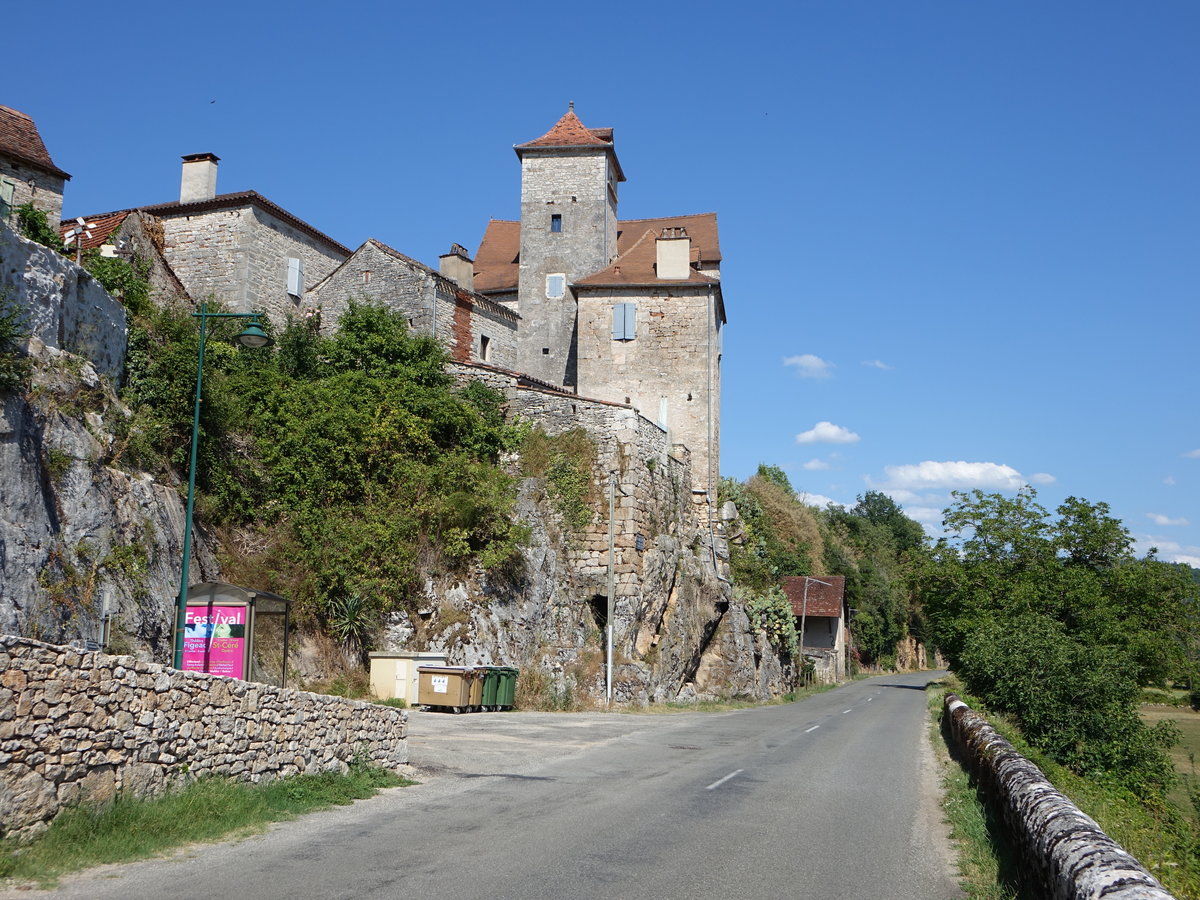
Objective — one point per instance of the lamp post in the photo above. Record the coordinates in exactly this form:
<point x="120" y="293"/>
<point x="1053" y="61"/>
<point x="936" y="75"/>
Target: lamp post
<point x="804" y="615"/>
<point x="252" y="336"/>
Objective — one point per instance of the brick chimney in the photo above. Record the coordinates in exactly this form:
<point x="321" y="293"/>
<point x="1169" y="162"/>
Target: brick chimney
<point x="674" y="254"/>
<point x="199" y="181"/>
<point x="458" y="267"/>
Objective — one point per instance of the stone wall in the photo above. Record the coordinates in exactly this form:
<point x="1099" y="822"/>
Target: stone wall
<point x="77" y="725"/>
<point x="1065" y="854"/>
<point x="43" y="189"/>
<point x="64" y="307"/>
<point x="432" y="304"/>
<point x="674" y="357"/>
<point x="238" y="255"/>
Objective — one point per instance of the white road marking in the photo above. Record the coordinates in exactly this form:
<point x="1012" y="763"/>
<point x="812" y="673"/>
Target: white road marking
<point x="721" y="781"/>
<point x="814" y="728"/>
<point x="844" y="711"/>
<point x="869" y="699"/>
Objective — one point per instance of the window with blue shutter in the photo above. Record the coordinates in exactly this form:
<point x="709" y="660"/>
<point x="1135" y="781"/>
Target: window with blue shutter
<point x="556" y="286"/>
<point x="7" y="190"/>
<point x="295" y="283"/>
<point x="624" y="321"/>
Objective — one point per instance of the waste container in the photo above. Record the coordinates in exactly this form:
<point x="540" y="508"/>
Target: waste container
<point x="491" y="686"/>
<point x="450" y="687"/>
<point x="506" y="688"/>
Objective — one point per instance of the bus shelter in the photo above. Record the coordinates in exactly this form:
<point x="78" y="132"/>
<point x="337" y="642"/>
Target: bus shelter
<point x="238" y="632"/>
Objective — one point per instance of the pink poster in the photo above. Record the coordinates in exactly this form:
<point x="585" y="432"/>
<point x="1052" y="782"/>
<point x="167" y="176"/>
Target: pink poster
<point x="214" y="640"/>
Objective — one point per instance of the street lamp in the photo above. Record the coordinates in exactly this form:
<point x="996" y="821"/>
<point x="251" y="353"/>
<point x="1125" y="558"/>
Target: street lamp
<point x="804" y="615"/>
<point x="254" y="337"/>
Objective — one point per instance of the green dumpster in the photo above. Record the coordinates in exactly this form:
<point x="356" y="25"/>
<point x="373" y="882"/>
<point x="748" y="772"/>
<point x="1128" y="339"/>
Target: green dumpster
<point x="506" y="690"/>
<point x="491" y="686"/>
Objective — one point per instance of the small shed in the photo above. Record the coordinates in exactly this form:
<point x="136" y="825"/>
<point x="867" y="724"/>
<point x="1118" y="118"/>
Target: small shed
<point x="394" y="672"/>
<point x="818" y="603"/>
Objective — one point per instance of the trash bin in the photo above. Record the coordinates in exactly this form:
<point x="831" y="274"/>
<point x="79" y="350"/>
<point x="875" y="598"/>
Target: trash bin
<point x="506" y="688"/>
<point x="491" y="686"/>
<point x="450" y="687"/>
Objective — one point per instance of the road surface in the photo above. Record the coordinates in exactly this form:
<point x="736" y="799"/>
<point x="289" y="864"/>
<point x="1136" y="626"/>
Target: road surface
<point x="832" y="797"/>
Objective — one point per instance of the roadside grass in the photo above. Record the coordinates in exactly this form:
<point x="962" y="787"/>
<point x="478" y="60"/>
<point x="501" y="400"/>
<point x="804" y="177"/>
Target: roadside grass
<point x="207" y="810"/>
<point x="1161" y="835"/>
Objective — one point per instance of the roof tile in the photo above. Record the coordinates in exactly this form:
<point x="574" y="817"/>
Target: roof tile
<point x="823" y="599"/>
<point x="19" y="139"/>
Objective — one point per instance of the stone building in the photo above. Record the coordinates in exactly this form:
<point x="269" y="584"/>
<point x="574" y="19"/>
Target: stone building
<point x="239" y="249"/>
<point x="819" y="607"/>
<point x="627" y="312"/>
<point x="472" y="327"/>
<point x="27" y="173"/>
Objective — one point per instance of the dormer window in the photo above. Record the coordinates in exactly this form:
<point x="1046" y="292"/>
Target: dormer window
<point x="555" y="223"/>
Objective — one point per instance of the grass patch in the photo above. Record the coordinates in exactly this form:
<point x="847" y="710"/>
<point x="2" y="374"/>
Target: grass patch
<point x="1160" y="834"/>
<point x="1183" y="754"/>
<point x="206" y="810"/>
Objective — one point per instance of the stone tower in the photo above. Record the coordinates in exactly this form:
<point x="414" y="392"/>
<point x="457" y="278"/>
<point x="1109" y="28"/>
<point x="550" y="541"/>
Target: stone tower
<point x="569" y="179"/>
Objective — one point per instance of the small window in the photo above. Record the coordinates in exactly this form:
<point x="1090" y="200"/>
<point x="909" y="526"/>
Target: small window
<point x="555" y="286"/>
<point x="484" y="346"/>
<point x="555" y="223"/>
<point x="7" y="190"/>
<point x="545" y="351"/>
<point x="295" y="277"/>
<point x="366" y="276"/>
<point x="624" y="321"/>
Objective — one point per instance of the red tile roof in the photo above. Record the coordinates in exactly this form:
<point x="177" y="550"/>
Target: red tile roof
<point x="639" y="265"/>
<point x="101" y="228"/>
<point x="19" y="139"/>
<point x="823" y="600"/>
<point x="497" y="261"/>
<point x="570" y="132"/>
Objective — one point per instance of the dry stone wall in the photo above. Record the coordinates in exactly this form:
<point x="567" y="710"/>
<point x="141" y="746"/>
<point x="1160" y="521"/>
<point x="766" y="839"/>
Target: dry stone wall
<point x="1066" y="855"/>
<point x="76" y="725"/>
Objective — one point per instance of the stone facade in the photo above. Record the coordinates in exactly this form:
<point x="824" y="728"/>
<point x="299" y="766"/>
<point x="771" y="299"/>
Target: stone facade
<point x="670" y="369"/>
<point x="27" y="173"/>
<point x="235" y="249"/>
<point x="572" y="185"/>
<point x="84" y="726"/>
<point x="472" y="327"/>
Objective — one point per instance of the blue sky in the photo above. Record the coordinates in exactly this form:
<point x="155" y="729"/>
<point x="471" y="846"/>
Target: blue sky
<point x="960" y="238"/>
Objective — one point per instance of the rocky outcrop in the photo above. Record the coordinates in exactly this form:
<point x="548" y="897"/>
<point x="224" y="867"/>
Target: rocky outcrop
<point x="1065" y="854"/>
<point x="84" y="726"/>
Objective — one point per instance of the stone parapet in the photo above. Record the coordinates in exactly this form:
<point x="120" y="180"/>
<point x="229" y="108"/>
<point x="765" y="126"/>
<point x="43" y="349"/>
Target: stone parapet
<point x="76" y="725"/>
<point x="1066" y="855"/>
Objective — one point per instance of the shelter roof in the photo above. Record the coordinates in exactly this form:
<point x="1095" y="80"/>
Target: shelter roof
<point x="823" y="599"/>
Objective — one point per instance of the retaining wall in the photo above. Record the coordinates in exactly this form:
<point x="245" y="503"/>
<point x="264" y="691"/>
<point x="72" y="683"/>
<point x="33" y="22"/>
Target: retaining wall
<point x="1066" y="855"/>
<point x="78" y="725"/>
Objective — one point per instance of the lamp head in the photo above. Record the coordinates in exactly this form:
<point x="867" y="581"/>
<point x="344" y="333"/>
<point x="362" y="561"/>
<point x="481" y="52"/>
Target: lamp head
<point x="254" y="337"/>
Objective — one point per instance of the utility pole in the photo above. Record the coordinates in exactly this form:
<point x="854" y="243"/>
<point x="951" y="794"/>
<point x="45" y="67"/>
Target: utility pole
<point x="804" y="615"/>
<point x="612" y="562"/>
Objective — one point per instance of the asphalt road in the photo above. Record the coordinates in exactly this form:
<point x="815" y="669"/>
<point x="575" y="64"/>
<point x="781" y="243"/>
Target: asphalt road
<point x="831" y="797"/>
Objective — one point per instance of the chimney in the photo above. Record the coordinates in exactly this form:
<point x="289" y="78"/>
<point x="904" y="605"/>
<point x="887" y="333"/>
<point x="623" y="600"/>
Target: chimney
<point x="199" y="181"/>
<point x="458" y="267"/>
<point x="674" y="252"/>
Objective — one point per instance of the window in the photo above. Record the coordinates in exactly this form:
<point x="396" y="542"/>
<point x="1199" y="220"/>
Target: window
<point x="366" y="276"/>
<point x="555" y="223"/>
<point x="484" y="342"/>
<point x="624" y="321"/>
<point x="556" y="285"/>
<point x="295" y="277"/>
<point x="7" y="190"/>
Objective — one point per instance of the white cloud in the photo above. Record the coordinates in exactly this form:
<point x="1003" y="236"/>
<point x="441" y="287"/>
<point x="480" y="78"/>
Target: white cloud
<point x="1193" y="561"/>
<point x="878" y="364"/>
<point x="1041" y="478"/>
<point x="960" y="475"/>
<point x="1170" y="479"/>
<point x="826" y="433"/>
<point x="809" y="366"/>
<point x="1193" y="454"/>
<point x="816" y="465"/>
<point x="1160" y="519"/>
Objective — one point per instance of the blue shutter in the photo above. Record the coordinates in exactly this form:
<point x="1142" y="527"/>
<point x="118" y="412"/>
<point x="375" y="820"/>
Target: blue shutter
<point x="7" y="190"/>
<point x="624" y="321"/>
<point x="295" y="277"/>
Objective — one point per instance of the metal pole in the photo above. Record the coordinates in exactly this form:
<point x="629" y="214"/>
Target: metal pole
<point x="612" y="560"/>
<point x="181" y="606"/>
<point x="803" y="616"/>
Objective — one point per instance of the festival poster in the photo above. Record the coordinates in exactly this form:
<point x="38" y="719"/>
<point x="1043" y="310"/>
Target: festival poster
<point x="214" y="640"/>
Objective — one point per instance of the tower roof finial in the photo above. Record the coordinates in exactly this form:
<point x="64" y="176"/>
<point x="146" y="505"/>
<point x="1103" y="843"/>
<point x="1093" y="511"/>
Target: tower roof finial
<point x="570" y="106"/>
